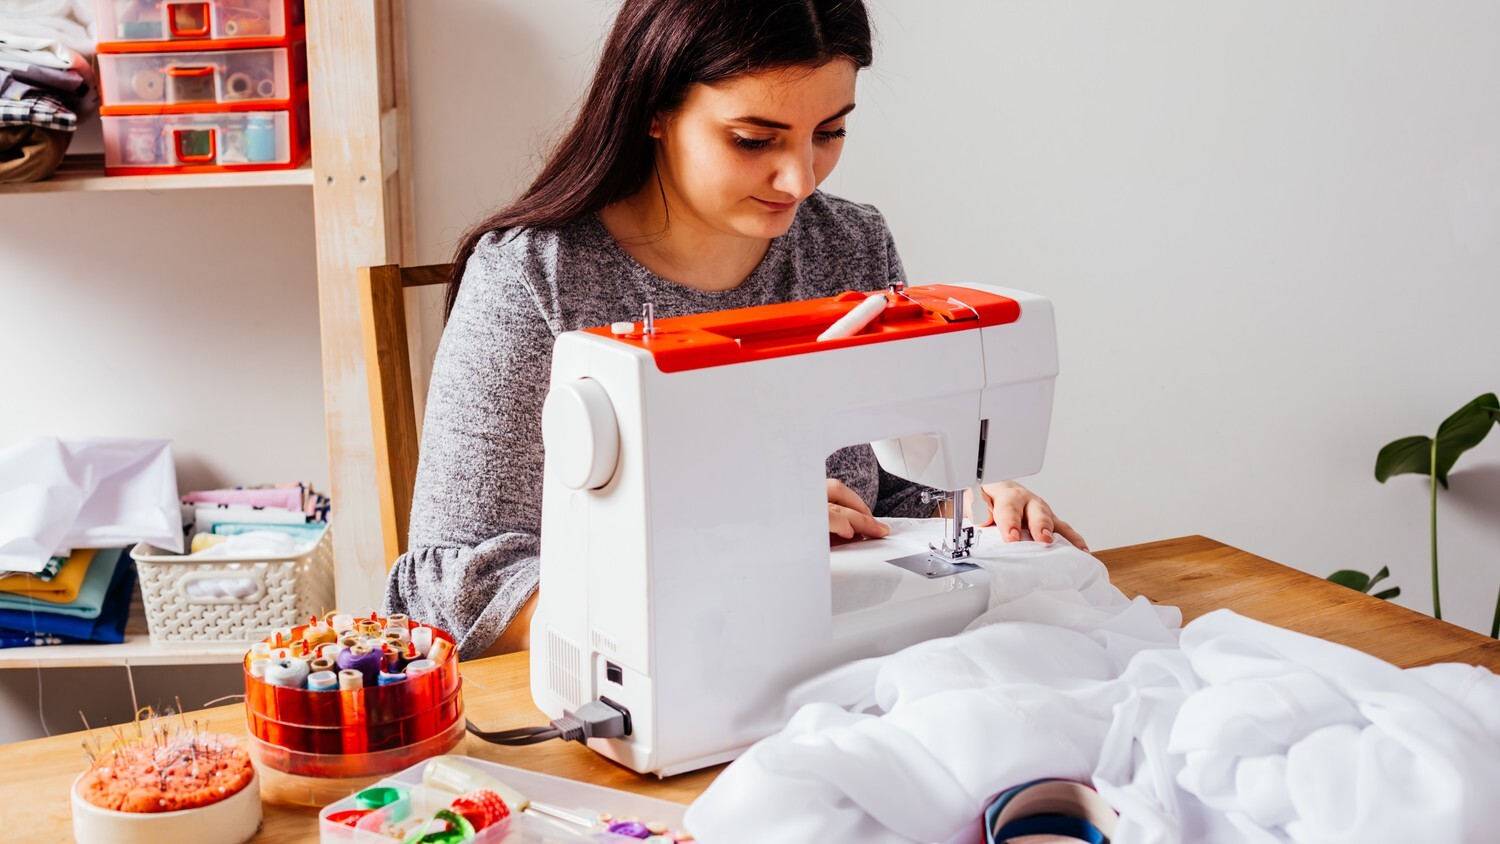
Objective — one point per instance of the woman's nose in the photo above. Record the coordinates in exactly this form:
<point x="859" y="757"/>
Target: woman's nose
<point x="794" y="173"/>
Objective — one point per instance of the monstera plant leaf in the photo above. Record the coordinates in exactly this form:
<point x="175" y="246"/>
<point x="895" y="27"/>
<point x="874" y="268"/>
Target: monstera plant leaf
<point x="1460" y="432"/>
<point x="1361" y="582"/>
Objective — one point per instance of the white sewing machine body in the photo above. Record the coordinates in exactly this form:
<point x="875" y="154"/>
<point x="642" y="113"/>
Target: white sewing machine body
<point x="686" y="570"/>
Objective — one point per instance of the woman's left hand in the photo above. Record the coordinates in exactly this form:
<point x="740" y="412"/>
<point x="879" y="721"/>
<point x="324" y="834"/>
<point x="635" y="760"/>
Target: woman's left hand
<point x="1012" y="507"/>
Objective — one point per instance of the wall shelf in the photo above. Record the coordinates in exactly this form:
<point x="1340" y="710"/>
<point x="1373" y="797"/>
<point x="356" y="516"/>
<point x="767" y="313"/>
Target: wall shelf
<point x="86" y="173"/>
<point x="136" y="650"/>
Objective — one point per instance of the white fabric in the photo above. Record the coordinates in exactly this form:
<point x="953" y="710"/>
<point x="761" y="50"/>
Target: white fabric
<point x="267" y="543"/>
<point x="59" y="494"/>
<point x="51" y="33"/>
<point x="1245" y="732"/>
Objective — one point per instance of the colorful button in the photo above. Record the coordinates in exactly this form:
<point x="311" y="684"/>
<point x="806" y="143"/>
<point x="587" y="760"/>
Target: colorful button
<point x="630" y="829"/>
<point x="375" y="798"/>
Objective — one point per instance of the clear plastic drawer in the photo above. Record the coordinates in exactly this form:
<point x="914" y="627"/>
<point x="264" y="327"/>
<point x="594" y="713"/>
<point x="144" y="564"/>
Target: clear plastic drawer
<point x="204" y="142"/>
<point x="134" y="21"/>
<point x="222" y="77"/>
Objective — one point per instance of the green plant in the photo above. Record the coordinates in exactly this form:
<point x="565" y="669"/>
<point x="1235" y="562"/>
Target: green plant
<point x="1434" y="456"/>
<point x="1361" y="582"/>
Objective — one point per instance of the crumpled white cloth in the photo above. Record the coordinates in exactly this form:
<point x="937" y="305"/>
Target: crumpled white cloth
<point x="1287" y="737"/>
<point x="58" y="34"/>
<point x="1245" y="732"/>
<point x="57" y="494"/>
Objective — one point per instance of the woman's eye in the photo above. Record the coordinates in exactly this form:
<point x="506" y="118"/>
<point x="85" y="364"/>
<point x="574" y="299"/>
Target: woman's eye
<point x="751" y="143"/>
<point x="832" y="135"/>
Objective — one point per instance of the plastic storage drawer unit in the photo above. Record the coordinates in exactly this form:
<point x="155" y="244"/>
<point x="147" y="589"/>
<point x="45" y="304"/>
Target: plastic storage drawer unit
<point x="152" y="83"/>
<point x="205" y="142"/>
<point x="130" y="25"/>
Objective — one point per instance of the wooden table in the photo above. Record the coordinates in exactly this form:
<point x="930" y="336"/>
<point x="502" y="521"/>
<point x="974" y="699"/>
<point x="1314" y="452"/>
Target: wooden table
<point x="1193" y="573"/>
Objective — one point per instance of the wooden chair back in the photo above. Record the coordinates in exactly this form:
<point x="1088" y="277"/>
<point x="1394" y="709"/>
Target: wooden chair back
<point x="393" y="416"/>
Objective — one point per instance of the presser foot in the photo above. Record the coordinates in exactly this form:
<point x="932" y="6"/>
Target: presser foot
<point x="932" y="564"/>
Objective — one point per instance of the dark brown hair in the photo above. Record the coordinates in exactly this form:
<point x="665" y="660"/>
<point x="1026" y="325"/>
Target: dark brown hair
<point x="655" y="51"/>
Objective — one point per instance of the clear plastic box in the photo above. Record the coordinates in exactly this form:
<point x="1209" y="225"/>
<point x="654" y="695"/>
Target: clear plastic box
<point x="575" y="798"/>
<point x="124" y="23"/>
<point x="144" y="83"/>
<point x="205" y="142"/>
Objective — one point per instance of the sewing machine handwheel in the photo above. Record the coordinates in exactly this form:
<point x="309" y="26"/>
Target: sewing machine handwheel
<point x="580" y="434"/>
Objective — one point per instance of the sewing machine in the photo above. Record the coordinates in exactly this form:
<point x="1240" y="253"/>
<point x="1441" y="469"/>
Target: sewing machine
<point x="686" y="571"/>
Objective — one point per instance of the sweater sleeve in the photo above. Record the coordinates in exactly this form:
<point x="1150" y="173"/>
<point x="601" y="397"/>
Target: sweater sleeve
<point x="474" y="543"/>
<point x="898" y="497"/>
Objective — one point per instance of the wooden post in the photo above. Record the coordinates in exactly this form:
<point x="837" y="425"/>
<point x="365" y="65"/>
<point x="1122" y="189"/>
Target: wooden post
<point x="361" y="199"/>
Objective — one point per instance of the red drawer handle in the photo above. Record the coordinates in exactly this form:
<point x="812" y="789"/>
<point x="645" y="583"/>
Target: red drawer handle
<point x="195" y="157"/>
<point x="180" y="71"/>
<point x="187" y="25"/>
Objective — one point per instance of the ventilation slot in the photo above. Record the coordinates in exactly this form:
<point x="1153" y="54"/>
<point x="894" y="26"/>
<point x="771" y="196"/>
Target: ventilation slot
<point x="563" y="668"/>
<point x="604" y="644"/>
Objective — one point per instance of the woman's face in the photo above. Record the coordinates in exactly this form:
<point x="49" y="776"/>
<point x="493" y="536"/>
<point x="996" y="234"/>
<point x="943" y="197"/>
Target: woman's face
<point x="739" y="156"/>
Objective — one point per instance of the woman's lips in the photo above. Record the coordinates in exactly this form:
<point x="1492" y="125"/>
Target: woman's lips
<point x="777" y="206"/>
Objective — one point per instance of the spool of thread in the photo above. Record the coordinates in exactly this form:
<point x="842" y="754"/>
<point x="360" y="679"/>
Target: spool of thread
<point x="400" y="637"/>
<point x="342" y="621"/>
<point x="265" y="88"/>
<point x="330" y="650"/>
<point x="369" y="628"/>
<point x="348" y="641"/>
<point x="260" y="650"/>
<point x="362" y="659"/>
<point x="289" y="673"/>
<point x="238" y="86"/>
<point x="351" y="679"/>
<point x="283" y="637"/>
<point x="421" y="637"/>
<point x="397" y="621"/>
<point x="387" y="678"/>
<point x="322" y="681"/>
<point x="149" y="85"/>
<point x="258" y="667"/>
<point x="319" y="634"/>
<point x="321" y="663"/>
<point x="440" y="651"/>
<point x="418" y="667"/>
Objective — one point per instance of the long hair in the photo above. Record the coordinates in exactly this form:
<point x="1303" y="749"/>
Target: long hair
<point x="656" y="50"/>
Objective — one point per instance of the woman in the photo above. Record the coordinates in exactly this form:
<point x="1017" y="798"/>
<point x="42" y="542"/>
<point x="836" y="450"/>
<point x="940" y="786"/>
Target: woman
<point x="689" y="180"/>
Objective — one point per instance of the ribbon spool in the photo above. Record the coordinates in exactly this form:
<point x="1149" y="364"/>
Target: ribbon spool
<point x="238" y="86"/>
<point x="266" y="88"/>
<point x="148" y="84"/>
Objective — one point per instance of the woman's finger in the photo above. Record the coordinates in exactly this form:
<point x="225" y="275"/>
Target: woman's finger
<point x="979" y="511"/>
<point x="1005" y="505"/>
<point x="1071" y="535"/>
<point x="843" y="496"/>
<point x="846" y="522"/>
<point x="1039" y="520"/>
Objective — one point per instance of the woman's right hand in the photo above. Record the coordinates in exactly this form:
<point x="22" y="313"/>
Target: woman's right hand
<point x="848" y="515"/>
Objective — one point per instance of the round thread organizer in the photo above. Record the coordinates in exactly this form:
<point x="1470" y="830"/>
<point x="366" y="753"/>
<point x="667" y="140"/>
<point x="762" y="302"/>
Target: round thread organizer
<point x="314" y="746"/>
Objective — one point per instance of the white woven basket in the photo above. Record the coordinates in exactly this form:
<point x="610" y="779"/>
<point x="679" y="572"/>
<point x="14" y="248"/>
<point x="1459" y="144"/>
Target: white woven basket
<point x="232" y="599"/>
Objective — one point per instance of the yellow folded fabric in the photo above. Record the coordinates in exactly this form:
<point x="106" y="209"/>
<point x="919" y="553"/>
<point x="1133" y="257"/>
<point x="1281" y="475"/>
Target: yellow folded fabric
<point x="61" y="589"/>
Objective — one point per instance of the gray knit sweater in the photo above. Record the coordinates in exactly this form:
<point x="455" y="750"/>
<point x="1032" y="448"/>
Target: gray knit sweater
<point x="477" y="508"/>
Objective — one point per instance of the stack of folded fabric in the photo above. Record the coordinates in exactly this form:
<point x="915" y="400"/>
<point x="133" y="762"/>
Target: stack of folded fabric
<point x="84" y="597"/>
<point x="46" y="83"/>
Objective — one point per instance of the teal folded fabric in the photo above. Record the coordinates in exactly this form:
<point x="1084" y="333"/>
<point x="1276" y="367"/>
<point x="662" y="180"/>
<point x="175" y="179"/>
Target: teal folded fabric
<point x="90" y="595"/>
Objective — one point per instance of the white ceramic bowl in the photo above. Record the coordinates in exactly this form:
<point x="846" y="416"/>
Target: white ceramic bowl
<point x="232" y="820"/>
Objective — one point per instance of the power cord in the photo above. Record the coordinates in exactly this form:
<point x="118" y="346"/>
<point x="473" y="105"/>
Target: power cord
<point x="601" y="718"/>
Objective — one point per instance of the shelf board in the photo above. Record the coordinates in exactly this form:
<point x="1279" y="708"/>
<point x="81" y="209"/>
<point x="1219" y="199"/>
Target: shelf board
<point x="136" y="650"/>
<point x="86" y="173"/>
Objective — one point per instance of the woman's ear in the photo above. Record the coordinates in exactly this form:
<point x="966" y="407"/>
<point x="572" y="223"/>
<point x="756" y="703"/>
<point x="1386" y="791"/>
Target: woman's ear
<point x="654" y="130"/>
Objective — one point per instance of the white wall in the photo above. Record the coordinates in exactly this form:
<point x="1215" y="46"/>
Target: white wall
<point x="1270" y="230"/>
